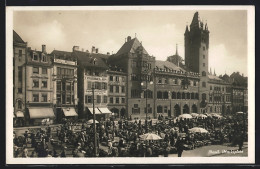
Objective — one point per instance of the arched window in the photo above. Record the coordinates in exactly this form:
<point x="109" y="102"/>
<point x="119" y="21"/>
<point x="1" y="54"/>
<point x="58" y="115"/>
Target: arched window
<point x="204" y="96"/>
<point x="149" y="94"/>
<point x="203" y="84"/>
<point x="173" y="95"/>
<point x="203" y="73"/>
<point x="196" y="96"/>
<point x="178" y="95"/>
<point x="159" y="109"/>
<point x="19" y="104"/>
<point x="188" y="95"/>
<point x="159" y="95"/>
<point x="183" y="96"/>
<point x="176" y="81"/>
<point x="192" y="95"/>
<point x="165" y="95"/>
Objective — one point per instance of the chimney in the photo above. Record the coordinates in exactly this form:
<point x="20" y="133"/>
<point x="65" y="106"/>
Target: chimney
<point x="128" y="38"/>
<point x="93" y="49"/>
<point x="43" y="48"/>
<point x="75" y="48"/>
<point x="96" y="50"/>
<point x="108" y="53"/>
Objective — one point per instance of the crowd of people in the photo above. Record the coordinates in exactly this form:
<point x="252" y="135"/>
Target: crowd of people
<point x="123" y="138"/>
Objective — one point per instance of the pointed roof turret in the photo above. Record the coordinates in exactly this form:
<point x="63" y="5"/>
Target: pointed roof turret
<point x="195" y="20"/>
<point x="187" y="29"/>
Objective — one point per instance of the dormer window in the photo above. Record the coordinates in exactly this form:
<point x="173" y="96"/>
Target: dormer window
<point x="35" y="57"/>
<point x="95" y="61"/>
<point x="44" y="58"/>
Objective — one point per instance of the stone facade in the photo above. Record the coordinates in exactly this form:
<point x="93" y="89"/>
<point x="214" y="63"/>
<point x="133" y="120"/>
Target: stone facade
<point x="117" y="92"/>
<point x="19" y="76"/>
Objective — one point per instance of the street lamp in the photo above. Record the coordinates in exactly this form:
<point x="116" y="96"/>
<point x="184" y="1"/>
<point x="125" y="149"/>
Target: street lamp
<point x="94" y="122"/>
<point x="170" y="98"/>
<point x="146" y="88"/>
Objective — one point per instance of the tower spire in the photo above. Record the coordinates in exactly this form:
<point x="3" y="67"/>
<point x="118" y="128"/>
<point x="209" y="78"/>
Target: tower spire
<point x="177" y="49"/>
<point x="195" y="20"/>
<point x="214" y="72"/>
<point x="210" y="71"/>
<point x="187" y="29"/>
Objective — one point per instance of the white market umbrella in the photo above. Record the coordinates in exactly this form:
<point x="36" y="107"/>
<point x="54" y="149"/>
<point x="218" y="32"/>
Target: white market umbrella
<point x="194" y="114"/>
<point x="150" y="136"/>
<point x="216" y="115"/>
<point x="185" y="116"/>
<point x="198" y="130"/>
<point x="202" y="116"/>
<point x="91" y="121"/>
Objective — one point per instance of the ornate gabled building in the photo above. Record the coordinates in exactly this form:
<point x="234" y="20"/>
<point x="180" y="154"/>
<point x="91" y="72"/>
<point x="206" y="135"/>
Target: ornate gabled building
<point x="156" y="87"/>
<point x="139" y="68"/>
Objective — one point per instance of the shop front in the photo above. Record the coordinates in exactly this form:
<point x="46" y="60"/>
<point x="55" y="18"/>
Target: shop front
<point x="41" y="116"/>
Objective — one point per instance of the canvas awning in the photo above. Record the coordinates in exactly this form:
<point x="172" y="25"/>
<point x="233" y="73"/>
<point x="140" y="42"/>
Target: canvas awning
<point x="96" y="110"/>
<point x="70" y="111"/>
<point x="105" y="110"/>
<point x="19" y="114"/>
<point x="41" y="113"/>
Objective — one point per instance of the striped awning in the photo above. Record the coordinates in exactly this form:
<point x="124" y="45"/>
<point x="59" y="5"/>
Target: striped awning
<point x="70" y="111"/>
<point x="19" y="114"/>
<point x="96" y="110"/>
<point x="41" y="113"/>
<point x="105" y="110"/>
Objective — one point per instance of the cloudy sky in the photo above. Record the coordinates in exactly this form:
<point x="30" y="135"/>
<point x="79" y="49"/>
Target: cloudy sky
<point x="159" y="32"/>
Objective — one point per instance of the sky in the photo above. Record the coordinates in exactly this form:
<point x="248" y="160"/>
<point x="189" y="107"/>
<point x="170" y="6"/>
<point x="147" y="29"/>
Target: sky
<point x="159" y="31"/>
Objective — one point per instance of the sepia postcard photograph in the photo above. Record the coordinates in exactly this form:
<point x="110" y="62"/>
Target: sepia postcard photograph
<point x="130" y="85"/>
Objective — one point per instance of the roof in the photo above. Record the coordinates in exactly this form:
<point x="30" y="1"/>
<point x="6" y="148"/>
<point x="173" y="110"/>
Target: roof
<point x="195" y="19"/>
<point x="166" y="64"/>
<point x="87" y="59"/>
<point x="17" y="38"/>
<point x="131" y="47"/>
<point x="60" y="53"/>
<point x="213" y="77"/>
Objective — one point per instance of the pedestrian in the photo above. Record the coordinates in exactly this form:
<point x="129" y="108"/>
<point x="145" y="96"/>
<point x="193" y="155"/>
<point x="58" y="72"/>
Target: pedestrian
<point x="26" y="137"/>
<point x="63" y="154"/>
<point x="179" y="145"/>
<point x="25" y="152"/>
<point x="34" y="154"/>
